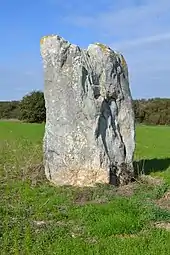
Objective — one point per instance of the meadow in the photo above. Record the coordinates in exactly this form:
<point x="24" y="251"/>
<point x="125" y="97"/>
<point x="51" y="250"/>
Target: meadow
<point x="38" y="218"/>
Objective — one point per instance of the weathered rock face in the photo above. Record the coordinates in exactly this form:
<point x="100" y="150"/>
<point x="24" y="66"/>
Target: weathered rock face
<point x="89" y="134"/>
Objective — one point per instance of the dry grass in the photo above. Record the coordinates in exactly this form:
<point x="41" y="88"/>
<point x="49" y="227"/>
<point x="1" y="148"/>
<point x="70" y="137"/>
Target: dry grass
<point x="162" y="225"/>
<point x="164" y="202"/>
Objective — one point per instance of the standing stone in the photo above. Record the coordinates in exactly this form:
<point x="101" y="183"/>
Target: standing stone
<point x="89" y="134"/>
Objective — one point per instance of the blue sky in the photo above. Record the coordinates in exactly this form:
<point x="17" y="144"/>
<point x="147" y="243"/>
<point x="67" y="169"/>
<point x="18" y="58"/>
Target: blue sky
<point x="140" y="29"/>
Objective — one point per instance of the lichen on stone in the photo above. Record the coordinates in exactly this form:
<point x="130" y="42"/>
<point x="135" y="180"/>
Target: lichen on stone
<point x="90" y="128"/>
<point x="45" y="37"/>
<point x="123" y="61"/>
<point x="103" y="46"/>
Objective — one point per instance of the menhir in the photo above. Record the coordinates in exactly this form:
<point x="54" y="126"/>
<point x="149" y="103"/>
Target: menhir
<point x="90" y="131"/>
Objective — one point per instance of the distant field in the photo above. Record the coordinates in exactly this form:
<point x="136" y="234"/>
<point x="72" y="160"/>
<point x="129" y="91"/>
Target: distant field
<point x="37" y="218"/>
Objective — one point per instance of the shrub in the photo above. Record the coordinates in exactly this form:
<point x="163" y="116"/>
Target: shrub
<point x="9" y="110"/>
<point x="32" y="107"/>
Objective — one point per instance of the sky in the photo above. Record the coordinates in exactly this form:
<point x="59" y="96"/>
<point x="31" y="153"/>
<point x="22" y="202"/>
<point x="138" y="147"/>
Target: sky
<point x="139" y="29"/>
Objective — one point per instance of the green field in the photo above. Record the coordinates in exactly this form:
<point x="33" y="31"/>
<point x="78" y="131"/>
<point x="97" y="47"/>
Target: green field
<point x="37" y="218"/>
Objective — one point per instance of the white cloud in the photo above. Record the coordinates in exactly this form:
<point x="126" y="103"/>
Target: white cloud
<point x="144" y="40"/>
<point x="142" y="34"/>
<point x="134" y="20"/>
<point x="138" y="28"/>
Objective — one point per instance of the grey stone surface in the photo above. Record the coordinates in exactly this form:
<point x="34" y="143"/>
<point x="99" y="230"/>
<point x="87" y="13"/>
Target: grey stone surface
<point x="89" y="134"/>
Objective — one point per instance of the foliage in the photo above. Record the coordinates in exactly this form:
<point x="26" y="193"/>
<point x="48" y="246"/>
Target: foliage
<point x="9" y="110"/>
<point x="32" y="107"/>
<point x="155" y="111"/>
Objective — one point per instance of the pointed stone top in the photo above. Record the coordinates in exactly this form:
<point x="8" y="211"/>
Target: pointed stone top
<point x="46" y="37"/>
<point x="103" y="46"/>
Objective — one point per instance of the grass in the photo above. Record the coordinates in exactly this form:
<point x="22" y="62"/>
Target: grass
<point x="37" y="218"/>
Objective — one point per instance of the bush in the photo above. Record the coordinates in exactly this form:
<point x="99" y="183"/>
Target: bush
<point x="32" y="107"/>
<point x="9" y="110"/>
<point x="154" y="111"/>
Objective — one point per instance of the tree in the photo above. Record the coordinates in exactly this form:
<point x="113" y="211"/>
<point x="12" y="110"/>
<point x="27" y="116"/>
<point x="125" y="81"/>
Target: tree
<point x="154" y="111"/>
<point x="32" y="107"/>
<point x="9" y="110"/>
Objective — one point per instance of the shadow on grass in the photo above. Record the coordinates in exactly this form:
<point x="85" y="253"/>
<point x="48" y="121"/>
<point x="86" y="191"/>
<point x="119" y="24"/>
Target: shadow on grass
<point x="147" y="166"/>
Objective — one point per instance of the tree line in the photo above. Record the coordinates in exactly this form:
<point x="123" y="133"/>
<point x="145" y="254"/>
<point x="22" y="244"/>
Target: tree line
<point x="31" y="108"/>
